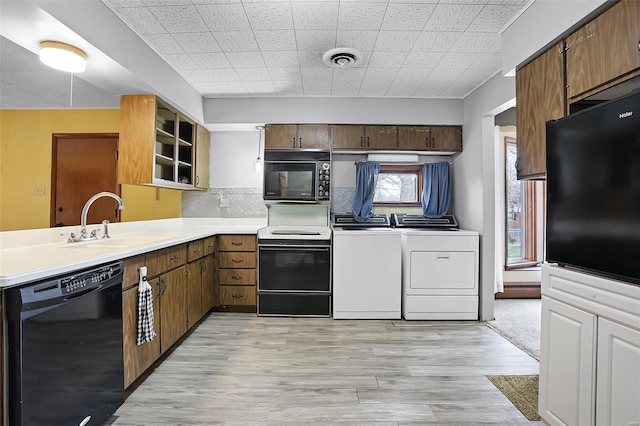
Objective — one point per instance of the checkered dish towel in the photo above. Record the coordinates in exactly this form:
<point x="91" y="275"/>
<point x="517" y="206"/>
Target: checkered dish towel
<point x="145" y="309"/>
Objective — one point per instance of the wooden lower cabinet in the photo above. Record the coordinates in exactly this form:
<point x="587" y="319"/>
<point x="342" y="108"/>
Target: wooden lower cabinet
<point x="237" y="295"/>
<point x="210" y="293"/>
<point x="137" y="358"/>
<point x="173" y="307"/>
<point x="194" y="292"/>
<point x="237" y="271"/>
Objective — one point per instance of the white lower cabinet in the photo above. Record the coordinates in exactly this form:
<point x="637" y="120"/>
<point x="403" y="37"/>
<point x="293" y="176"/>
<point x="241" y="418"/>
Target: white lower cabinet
<point x="618" y="375"/>
<point x="567" y="364"/>
<point x="589" y="350"/>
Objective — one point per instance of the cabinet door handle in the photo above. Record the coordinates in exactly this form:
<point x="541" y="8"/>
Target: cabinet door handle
<point x="197" y="180"/>
<point x="361" y="141"/>
<point x="294" y="142"/>
<point x="368" y="142"/>
<point x="426" y="142"/>
<point x="433" y="143"/>
<point x="299" y="142"/>
<point x="237" y="260"/>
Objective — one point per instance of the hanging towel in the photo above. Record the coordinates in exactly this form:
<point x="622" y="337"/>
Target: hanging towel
<point x="436" y="190"/>
<point x="366" y="178"/>
<point x="146" y="332"/>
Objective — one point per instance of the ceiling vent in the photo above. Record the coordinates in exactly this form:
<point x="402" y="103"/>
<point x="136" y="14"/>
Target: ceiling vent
<point x="342" y="57"/>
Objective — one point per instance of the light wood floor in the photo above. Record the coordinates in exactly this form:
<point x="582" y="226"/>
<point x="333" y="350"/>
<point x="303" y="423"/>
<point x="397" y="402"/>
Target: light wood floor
<point x="239" y="369"/>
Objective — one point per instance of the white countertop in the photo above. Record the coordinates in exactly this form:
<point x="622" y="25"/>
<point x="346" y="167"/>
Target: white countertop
<point x="35" y="254"/>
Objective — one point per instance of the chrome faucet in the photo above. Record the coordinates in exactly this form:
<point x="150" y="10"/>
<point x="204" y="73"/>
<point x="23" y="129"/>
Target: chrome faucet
<point x="83" y="218"/>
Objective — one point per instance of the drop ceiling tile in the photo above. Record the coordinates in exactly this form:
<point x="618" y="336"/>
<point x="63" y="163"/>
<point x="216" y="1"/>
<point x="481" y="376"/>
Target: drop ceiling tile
<point x="422" y="59"/>
<point x="236" y="41"/>
<point x="253" y="74"/>
<point x="387" y="59"/>
<point x="316" y="74"/>
<point x="361" y="16"/>
<point x="316" y="40"/>
<point x="211" y="60"/>
<point x="213" y="74"/>
<point x="288" y="88"/>
<point x="436" y="41"/>
<point x="477" y="42"/>
<point x="475" y="2"/>
<point x="210" y="89"/>
<point x="488" y="61"/>
<point x="269" y="16"/>
<point x="349" y="74"/>
<point x="345" y="87"/>
<point x="141" y="20"/>
<point x="317" y="88"/>
<point x="359" y="40"/>
<point x="407" y="16"/>
<point x="275" y="40"/>
<point x="181" y="61"/>
<point x="260" y="88"/>
<point x="166" y="2"/>
<point x="281" y="59"/>
<point x="224" y="17"/>
<point x="197" y="42"/>
<point x="493" y="18"/>
<point x="315" y="15"/>
<point x="380" y="74"/>
<point x="452" y="17"/>
<point x="412" y="74"/>
<point x="520" y="3"/>
<point x="402" y="88"/>
<point x="374" y="88"/>
<point x="396" y="41"/>
<point x="311" y="59"/>
<point x="456" y="60"/>
<point x="163" y="43"/>
<point x="443" y="75"/>
<point x="246" y="59"/>
<point x="285" y="74"/>
<point x="179" y="19"/>
<point x="431" y="89"/>
<point x="223" y="1"/>
<point x="124" y="3"/>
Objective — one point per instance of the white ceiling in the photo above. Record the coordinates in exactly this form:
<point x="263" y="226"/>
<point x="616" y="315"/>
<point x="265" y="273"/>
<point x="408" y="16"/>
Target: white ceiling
<point x="248" y="48"/>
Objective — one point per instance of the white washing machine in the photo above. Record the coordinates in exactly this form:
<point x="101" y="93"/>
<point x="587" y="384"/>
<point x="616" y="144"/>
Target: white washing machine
<point x="440" y="270"/>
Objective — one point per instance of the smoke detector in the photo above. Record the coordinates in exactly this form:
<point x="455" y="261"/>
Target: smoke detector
<point x="342" y="57"/>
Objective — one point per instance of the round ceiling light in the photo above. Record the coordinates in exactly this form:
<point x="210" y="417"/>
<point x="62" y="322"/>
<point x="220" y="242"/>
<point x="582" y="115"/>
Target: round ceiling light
<point x="342" y="57"/>
<point x="62" y="56"/>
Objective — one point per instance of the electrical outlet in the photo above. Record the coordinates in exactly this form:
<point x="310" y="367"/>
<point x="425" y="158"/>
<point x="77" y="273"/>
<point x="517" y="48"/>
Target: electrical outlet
<point x="224" y="204"/>
<point x="39" y="189"/>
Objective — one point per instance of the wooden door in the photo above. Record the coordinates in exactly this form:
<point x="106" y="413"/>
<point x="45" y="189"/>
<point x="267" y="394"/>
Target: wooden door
<point x="137" y="358"/>
<point x="313" y="136"/>
<point x="173" y="309"/>
<point x="413" y="138"/>
<point x="446" y="138"/>
<point x="604" y="49"/>
<point x="381" y="137"/>
<point x="82" y="166"/>
<point x="540" y="94"/>
<point x="280" y="136"/>
<point x="209" y="289"/>
<point x="194" y="292"/>
<point x="346" y="136"/>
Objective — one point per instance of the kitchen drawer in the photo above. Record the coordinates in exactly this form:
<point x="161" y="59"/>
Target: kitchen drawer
<point x="237" y="243"/>
<point x="237" y="295"/>
<point x="195" y="250"/>
<point x="131" y="274"/>
<point x="237" y="260"/>
<point x="237" y="276"/>
<point x="209" y="245"/>
<point x="166" y="259"/>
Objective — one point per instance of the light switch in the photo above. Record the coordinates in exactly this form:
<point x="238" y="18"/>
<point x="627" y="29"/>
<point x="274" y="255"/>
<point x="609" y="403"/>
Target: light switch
<point x="39" y="189"/>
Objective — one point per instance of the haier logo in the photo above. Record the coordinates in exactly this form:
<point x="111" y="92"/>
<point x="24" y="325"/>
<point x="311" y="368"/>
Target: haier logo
<point x="626" y="114"/>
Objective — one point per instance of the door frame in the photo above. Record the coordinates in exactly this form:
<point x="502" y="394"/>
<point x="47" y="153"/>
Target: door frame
<point x="54" y="164"/>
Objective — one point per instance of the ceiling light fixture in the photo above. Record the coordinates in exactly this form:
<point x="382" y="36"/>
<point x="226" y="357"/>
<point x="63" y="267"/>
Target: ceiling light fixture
<point x="258" y="164"/>
<point x="342" y="57"/>
<point x="62" y="56"/>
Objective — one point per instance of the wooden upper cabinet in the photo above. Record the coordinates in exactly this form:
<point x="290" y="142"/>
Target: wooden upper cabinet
<point x="605" y="50"/>
<point x="297" y="136"/>
<point x="446" y="138"/>
<point x="203" y="143"/>
<point x="348" y="136"/>
<point x="540" y="95"/>
<point x="381" y="137"/>
<point x="430" y="138"/>
<point x="414" y="138"/>
<point x="156" y="143"/>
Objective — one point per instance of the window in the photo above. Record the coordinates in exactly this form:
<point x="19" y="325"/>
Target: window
<point x="521" y="206"/>
<point x="399" y="185"/>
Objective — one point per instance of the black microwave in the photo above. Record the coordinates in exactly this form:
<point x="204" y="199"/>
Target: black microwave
<point x="294" y="175"/>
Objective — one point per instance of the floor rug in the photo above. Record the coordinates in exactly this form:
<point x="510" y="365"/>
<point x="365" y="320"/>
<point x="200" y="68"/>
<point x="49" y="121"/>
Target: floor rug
<point x="522" y="391"/>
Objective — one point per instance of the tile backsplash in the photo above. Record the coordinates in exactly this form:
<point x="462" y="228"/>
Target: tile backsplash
<point x="224" y="202"/>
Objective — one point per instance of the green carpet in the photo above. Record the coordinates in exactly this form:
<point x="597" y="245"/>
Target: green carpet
<point x="522" y="391"/>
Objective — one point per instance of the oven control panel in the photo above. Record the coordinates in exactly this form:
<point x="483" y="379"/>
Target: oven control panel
<point x="324" y="180"/>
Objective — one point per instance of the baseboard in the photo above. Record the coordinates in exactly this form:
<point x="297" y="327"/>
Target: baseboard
<point x="520" y="290"/>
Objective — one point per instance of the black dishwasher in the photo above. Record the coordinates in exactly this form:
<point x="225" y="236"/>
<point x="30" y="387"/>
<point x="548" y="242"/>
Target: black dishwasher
<point x="65" y="361"/>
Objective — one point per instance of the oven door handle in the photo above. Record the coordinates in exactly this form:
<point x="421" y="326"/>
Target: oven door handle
<point x="294" y="248"/>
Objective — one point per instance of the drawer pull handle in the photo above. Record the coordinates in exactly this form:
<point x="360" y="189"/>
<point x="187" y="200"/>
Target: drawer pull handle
<point x="235" y="243"/>
<point x="176" y="257"/>
<point x="237" y="260"/>
<point x="442" y="258"/>
<point x="236" y="277"/>
<point x="211" y="245"/>
<point x="236" y="296"/>
<point x="196" y="250"/>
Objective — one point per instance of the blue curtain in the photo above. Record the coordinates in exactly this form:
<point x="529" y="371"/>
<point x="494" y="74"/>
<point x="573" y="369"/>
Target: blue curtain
<point x="366" y="177"/>
<point x="436" y="191"/>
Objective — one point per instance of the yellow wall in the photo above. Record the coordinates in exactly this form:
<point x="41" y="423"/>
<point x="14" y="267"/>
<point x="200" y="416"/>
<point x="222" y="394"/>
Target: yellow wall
<point x="25" y="163"/>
